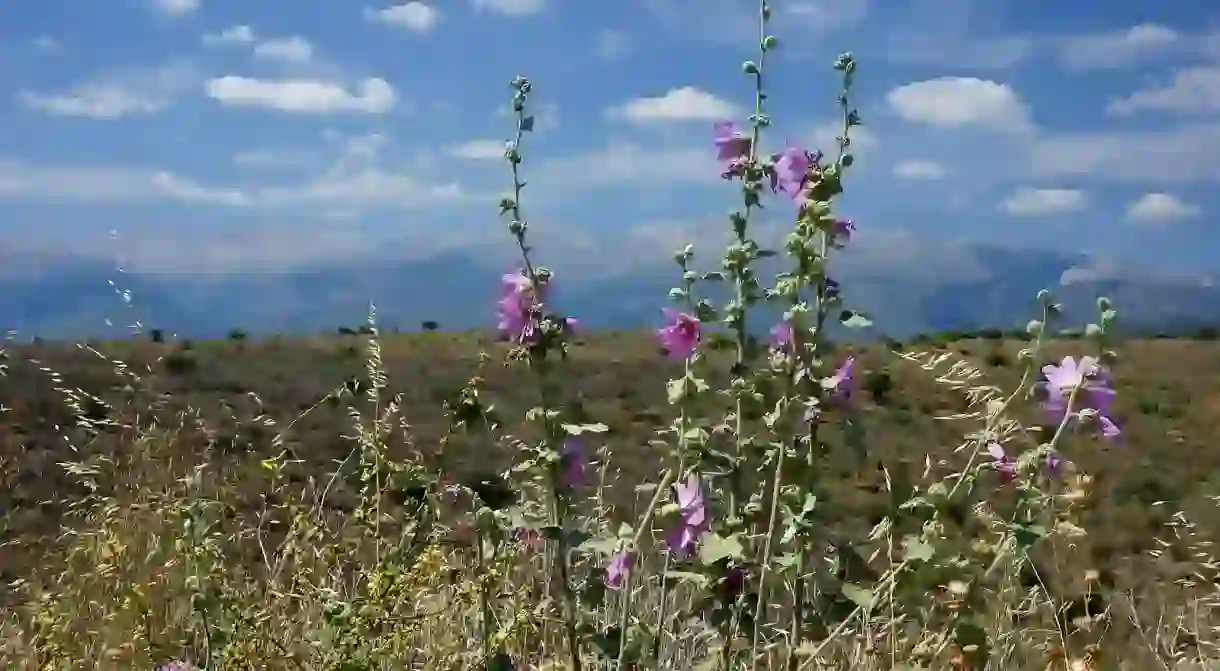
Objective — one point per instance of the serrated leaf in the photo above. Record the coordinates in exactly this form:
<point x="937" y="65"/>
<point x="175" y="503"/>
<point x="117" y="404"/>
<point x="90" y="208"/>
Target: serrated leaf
<point x="858" y="595"/>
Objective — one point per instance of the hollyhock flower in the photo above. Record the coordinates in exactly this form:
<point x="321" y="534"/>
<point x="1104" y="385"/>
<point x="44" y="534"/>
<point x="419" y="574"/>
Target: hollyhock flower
<point x="1005" y="465"/>
<point x="731" y="144"/>
<point x="840" y="233"/>
<point x="791" y="171"/>
<point x="693" y="518"/>
<point x="781" y="336"/>
<point x="515" y="305"/>
<point x="842" y="385"/>
<point x="681" y="337"/>
<point x="616" y="571"/>
<point x="573" y="463"/>
<point x="1092" y="386"/>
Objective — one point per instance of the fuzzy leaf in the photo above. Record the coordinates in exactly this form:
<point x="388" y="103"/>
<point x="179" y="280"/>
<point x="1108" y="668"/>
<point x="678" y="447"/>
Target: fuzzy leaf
<point x="716" y="548"/>
<point x="858" y="595"/>
<point x="915" y="549"/>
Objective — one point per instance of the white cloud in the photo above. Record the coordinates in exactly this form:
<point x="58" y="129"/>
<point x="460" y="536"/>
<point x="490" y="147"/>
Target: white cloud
<point x="950" y="102"/>
<point x="1192" y="91"/>
<point x="477" y="150"/>
<point x="116" y="95"/>
<point x="825" y="15"/>
<point x="512" y="7"/>
<point x="613" y="45"/>
<point x="176" y="7"/>
<point x="105" y="184"/>
<point x="415" y="16"/>
<point x="303" y="96"/>
<point x="1118" y="49"/>
<point x="626" y="163"/>
<point x="685" y="104"/>
<point x="294" y="49"/>
<point x="240" y="34"/>
<point x="921" y="170"/>
<point x="1044" y="202"/>
<point x="1190" y="153"/>
<point x="1161" y="208"/>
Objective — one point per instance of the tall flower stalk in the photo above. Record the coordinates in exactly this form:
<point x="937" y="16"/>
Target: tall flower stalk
<point x="535" y="332"/>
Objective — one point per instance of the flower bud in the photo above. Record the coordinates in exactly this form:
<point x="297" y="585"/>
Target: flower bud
<point x="1034" y="327"/>
<point x="749" y="67"/>
<point x="770" y="42"/>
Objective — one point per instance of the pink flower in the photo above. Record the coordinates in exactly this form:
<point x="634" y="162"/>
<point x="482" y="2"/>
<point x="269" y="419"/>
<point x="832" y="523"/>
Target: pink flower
<point x="573" y="463"/>
<point x="842" y="385"/>
<point x="1092" y="386"/>
<point x="781" y="336"/>
<point x="619" y="567"/>
<point x="731" y="144"/>
<point x="1005" y="465"/>
<point x="681" y="337"/>
<point x="791" y="172"/>
<point x="515" y="305"/>
<point x="693" y="519"/>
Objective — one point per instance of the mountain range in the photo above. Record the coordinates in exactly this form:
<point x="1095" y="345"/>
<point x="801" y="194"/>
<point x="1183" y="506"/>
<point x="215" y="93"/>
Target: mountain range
<point x="972" y="287"/>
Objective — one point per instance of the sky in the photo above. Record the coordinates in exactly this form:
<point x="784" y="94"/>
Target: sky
<point x="239" y="135"/>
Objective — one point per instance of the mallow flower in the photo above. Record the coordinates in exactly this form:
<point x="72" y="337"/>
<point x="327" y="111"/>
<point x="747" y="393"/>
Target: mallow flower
<point x="791" y="171"/>
<point x="1003" y="464"/>
<point x="619" y="567"/>
<point x="1091" y="383"/>
<point x="693" y="518"/>
<point x="515" y="305"/>
<point x="842" y="385"/>
<point x="781" y="336"/>
<point x="731" y="143"/>
<point x="573" y="463"/>
<point x="682" y="335"/>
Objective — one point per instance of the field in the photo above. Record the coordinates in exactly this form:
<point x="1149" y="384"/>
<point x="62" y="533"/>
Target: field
<point x="177" y="472"/>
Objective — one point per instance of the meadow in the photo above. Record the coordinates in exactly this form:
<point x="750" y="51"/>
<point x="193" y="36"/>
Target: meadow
<point x="694" y="497"/>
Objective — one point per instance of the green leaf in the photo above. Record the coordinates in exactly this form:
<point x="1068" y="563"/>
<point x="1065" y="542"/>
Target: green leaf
<point x="602" y="545"/>
<point x="915" y="549"/>
<point x="858" y="595"/>
<point x="716" y="548"/>
<point x="1028" y="534"/>
<point x="676" y="390"/>
<point x="577" y="429"/>
<point x="854" y="320"/>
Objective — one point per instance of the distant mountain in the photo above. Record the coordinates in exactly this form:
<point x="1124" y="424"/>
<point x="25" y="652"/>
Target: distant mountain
<point x="74" y="299"/>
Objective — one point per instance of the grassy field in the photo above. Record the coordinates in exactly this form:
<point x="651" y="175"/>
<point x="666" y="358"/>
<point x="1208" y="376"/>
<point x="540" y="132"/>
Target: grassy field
<point x="118" y="497"/>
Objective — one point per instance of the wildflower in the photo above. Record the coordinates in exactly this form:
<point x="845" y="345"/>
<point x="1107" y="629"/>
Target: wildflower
<point x="1092" y="387"/>
<point x="573" y="463"/>
<point x="1054" y="464"/>
<point x="1005" y="465"/>
<point x="791" y="171"/>
<point x="681" y="337"/>
<point x="618" y="568"/>
<point x="840" y="233"/>
<point x="842" y="385"/>
<point x="515" y="305"/>
<point x="179" y="665"/>
<point x="693" y="520"/>
<point x="781" y="336"/>
<point x="731" y="144"/>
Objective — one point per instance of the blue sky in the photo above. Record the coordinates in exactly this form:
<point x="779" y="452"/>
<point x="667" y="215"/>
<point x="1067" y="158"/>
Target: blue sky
<point x="237" y="135"/>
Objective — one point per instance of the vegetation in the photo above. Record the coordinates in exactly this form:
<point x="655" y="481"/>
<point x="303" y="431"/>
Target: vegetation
<point x="695" y="498"/>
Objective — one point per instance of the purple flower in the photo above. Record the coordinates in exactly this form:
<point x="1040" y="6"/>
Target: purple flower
<point x="515" y="306"/>
<point x="693" y="520"/>
<point x="681" y="336"/>
<point x="731" y="144"/>
<point x="616" y="571"/>
<point x="573" y="463"/>
<point x="1054" y="464"/>
<point x="791" y="171"/>
<point x="781" y="336"/>
<point x="1093" y="391"/>
<point x="840" y="233"/>
<point x="179" y="665"/>
<point x="842" y="385"/>
<point x="1005" y="465"/>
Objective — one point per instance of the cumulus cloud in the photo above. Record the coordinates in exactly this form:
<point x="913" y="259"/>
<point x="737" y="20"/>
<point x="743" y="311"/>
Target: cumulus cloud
<point x="303" y="96"/>
<point x="920" y="170"/>
<point x="1159" y="208"/>
<point x="676" y="105"/>
<point x="952" y="102"/>
<point x="1044" y="202"/>
<point x="1191" y="91"/>
<point x="512" y="7"/>
<point x="1119" y="48"/>
<point x="417" y="17"/>
<point x="123" y="93"/>
<point x="1189" y="153"/>
<point x="239" y="34"/>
